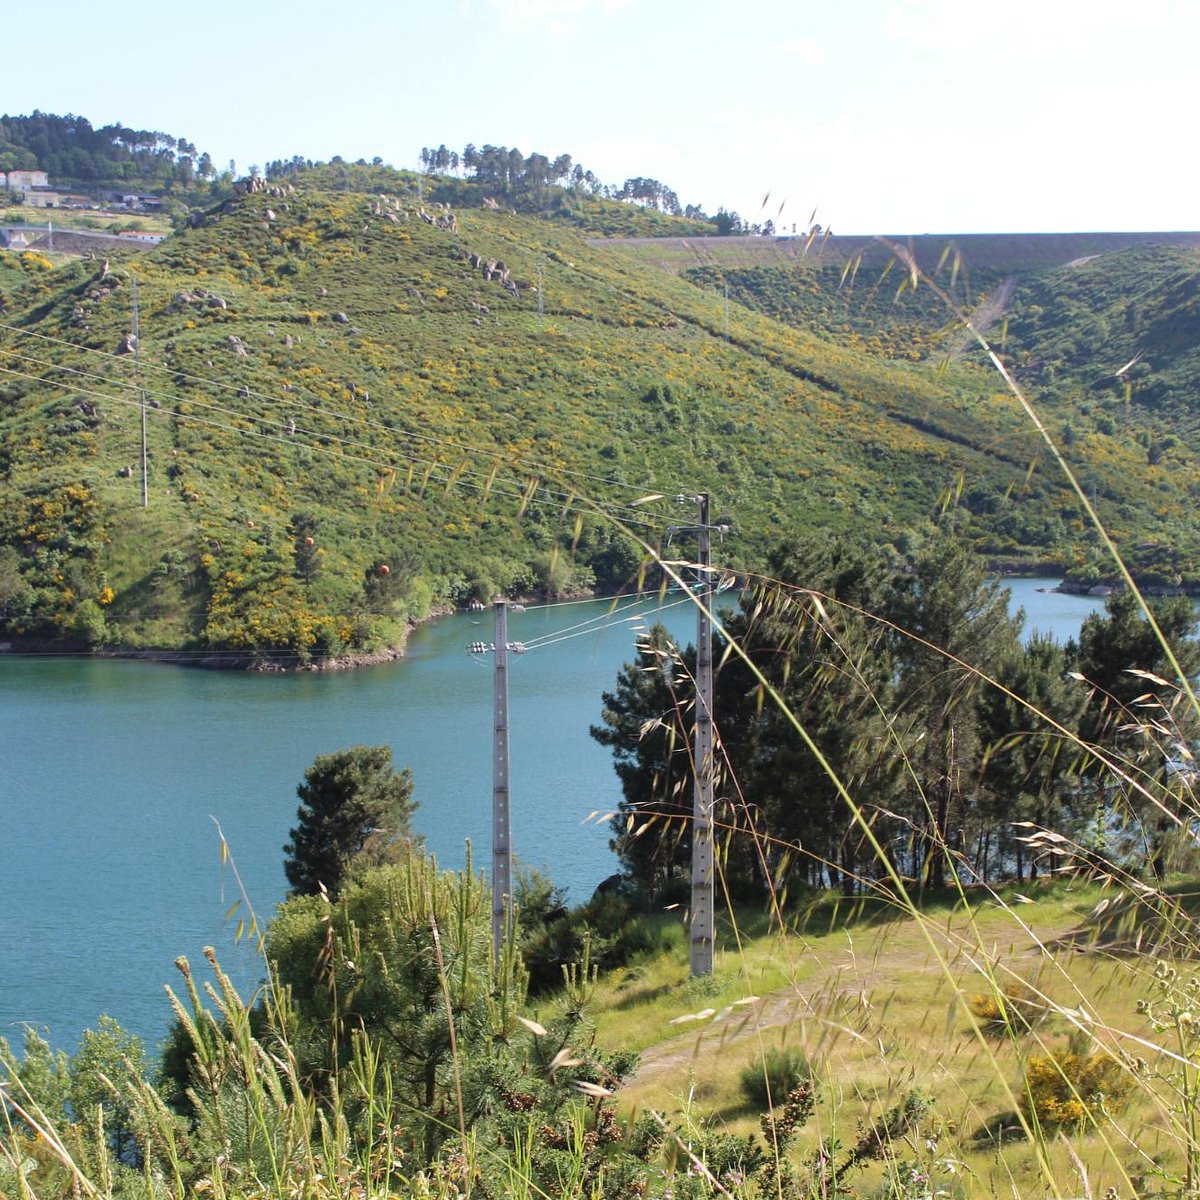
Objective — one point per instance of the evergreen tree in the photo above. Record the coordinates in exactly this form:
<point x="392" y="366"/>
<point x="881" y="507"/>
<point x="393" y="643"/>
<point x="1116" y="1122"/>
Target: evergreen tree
<point x="354" y="807"/>
<point x="1029" y="767"/>
<point x="1124" y="663"/>
<point x="1140" y="715"/>
<point x="812" y="638"/>
<point x="648" y="723"/>
<point x="952" y="624"/>
<point x="404" y="957"/>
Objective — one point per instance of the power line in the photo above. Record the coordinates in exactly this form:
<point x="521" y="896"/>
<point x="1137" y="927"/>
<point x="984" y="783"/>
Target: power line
<point x="561" y="501"/>
<point x="566" y="636"/>
<point x="137" y="375"/>
<point x="340" y="414"/>
<point x="605" y="616"/>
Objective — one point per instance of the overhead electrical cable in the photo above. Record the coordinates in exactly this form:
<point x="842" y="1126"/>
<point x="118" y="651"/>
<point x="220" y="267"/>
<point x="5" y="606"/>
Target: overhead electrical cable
<point x="558" y="501"/>
<point x="338" y="413"/>
<point x="608" y="617"/>
<point x="290" y="434"/>
<point x="554" y="639"/>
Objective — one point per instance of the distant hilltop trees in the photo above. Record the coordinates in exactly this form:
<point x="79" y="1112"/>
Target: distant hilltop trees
<point x="540" y="184"/>
<point x="69" y="148"/>
<point x="514" y="177"/>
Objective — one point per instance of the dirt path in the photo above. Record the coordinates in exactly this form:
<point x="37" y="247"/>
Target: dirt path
<point x="854" y="981"/>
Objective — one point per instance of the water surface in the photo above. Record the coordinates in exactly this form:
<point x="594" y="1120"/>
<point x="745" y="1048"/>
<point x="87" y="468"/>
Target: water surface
<point x="113" y="775"/>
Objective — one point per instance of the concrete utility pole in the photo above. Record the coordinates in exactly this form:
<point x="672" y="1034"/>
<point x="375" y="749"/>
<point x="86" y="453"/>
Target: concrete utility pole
<point x="501" y="824"/>
<point x="701" y="957"/>
<point x="501" y="831"/>
<point x="702" y="798"/>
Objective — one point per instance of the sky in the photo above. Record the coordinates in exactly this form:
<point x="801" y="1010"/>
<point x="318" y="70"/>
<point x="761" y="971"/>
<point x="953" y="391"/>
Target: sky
<point x="867" y="116"/>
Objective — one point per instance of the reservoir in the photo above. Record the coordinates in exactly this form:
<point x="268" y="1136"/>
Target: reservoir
<point x="115" y="776"/>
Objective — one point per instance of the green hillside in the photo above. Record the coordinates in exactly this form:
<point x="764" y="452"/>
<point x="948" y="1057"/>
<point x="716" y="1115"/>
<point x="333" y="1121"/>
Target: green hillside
<point x="349" y="422"/>
<point x="1103" y="344"/>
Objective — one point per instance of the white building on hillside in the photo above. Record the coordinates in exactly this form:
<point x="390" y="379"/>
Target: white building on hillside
<point x="24" y="181"/>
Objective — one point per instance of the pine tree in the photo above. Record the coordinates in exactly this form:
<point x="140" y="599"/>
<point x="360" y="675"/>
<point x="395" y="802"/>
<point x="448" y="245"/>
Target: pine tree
<point x="354" y="807"/>
<point x="648" y="723"/>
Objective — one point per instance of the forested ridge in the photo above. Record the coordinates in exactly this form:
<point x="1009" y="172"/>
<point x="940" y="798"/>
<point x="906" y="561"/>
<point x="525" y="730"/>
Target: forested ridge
<point x="70" y="149"/>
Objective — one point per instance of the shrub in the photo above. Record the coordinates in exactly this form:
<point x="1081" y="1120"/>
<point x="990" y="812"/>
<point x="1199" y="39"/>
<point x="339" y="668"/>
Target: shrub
<point x="1073" y="1089"/>
<point x="1015" y="1008"/>
<point x="89" y="624"/>
<point x="610" y="930"/>
<point x="768" y="1080"/>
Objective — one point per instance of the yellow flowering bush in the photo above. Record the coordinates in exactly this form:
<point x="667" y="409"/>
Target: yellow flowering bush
<point x="1015" y="1009"/>
<point x="1073" y="1089"/>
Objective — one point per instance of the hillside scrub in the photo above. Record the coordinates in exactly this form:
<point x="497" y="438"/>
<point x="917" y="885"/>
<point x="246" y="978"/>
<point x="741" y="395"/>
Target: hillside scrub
<point x="340" y="361"/>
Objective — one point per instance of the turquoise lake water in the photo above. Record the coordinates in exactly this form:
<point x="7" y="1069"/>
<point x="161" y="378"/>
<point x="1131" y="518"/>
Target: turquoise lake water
<point x="113" y="773"/>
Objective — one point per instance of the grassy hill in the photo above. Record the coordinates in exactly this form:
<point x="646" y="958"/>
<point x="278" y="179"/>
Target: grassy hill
<point x="880" y="1004"/>
<point x="350" y="420"/>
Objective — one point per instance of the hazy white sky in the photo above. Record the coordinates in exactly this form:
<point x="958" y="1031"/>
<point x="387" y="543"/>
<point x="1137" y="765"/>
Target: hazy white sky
<point x="883" y="116"/>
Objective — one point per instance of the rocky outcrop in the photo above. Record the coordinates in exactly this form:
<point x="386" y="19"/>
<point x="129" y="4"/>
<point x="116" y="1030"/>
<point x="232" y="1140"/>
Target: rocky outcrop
<point x="440" y="218"/>
<point x="197" y="297"/>
<point x="255" y="185"/>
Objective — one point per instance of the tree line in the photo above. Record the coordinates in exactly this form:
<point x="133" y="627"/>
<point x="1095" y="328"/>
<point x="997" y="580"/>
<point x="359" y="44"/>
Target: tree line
<point x="69" y="148"/>
<point x="541" y="182"/>
<point x="884" y="715"/>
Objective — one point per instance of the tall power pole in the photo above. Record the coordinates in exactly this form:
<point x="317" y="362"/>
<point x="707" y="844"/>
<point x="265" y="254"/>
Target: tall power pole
<point x="501" y="831"/>
<point x="501" y="823"/>
<point x="137" y="374"/>
<point x="702" y="796"/>
<point x="701" y="957"/>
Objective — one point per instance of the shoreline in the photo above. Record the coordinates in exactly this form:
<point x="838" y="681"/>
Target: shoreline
<point x="289" y="661"/>
<point x="282" y="662"/>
